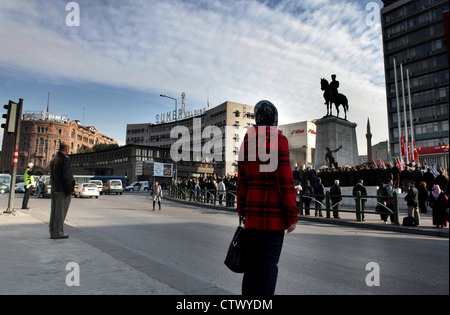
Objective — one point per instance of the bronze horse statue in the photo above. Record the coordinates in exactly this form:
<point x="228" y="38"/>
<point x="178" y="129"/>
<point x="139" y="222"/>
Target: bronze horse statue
<point x="328" y="96"/>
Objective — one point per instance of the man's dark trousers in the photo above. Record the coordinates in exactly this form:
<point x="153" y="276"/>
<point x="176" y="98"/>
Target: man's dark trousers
<point x="26" y="197"/>
<point x="59" y="208"/>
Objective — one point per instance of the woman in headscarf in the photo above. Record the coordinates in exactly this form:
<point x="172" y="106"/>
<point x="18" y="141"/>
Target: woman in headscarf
<point x="266" y="198"/>
<point x="439" y="200"/>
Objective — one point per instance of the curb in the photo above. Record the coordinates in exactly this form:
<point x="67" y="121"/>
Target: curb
<point x="373" y="226"/>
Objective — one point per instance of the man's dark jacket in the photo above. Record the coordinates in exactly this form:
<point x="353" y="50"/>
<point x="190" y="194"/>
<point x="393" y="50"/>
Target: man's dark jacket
<point x="335" y="192"/>
<point x="61" y="177"/>
<point x="412" y="198"/>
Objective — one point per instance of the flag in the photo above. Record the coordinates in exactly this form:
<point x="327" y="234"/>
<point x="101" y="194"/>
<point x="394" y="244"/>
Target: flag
<point x="48" y="101"/>
<point x="399" y="164"/>
<point x="409" y="152"/>
<point x="403" y="147"/>
<point x="416" y="152"/>
<point x="433" y="170"/>
<point x="374" y="164"/>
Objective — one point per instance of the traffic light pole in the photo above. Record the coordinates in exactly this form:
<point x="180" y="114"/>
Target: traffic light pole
<point x="12" y="190"/>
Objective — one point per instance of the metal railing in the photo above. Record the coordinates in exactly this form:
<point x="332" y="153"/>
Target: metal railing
<point x="387" y="206"/>
<point x="215" y="197"/>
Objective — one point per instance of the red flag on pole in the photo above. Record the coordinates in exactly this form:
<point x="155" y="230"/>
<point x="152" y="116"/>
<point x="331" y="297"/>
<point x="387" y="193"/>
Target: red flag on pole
<point x="409" y="152"/>
<point x="403" y="147"/>
<point x="48" y="101"/>
<point x="416" y="152"/>
<point x="399" y="164"/>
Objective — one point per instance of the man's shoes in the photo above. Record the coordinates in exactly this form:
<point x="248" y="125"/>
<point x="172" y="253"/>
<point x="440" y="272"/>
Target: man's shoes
<point x="60" y="237"/>
<point x="26" y="208"/>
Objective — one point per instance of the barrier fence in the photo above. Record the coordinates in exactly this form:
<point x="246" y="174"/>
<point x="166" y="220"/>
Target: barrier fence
<point x="384" y="206"/>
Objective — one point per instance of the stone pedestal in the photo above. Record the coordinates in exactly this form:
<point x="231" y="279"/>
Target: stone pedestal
<point x="332" y="132"/>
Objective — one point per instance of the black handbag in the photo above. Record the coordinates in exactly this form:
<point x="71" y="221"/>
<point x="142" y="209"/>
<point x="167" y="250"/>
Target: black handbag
<point x="235" y="259"/>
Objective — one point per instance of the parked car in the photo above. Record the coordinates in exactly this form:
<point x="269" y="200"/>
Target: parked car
<point x="4" y="188"/>
<point x="20" y="188"/>
<point x="87" y="190"/>
<point x="99" y="184"/>
<point x="113" y="186"/>
<point x="47" y="189"/>
<point x="140" y="185"/>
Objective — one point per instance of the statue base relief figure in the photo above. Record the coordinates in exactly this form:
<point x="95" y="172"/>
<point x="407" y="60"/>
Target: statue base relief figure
<point x="336" y="143"/>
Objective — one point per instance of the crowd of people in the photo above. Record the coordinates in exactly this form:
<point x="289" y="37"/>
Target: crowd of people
<point x="424" y="187"/>
<point x="219" y="189"/>
<point x="372" y="176"/>
<point x="430" y="184"/>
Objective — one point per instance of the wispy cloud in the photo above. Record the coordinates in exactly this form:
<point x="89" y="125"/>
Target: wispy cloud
<point x="243" y="50"/>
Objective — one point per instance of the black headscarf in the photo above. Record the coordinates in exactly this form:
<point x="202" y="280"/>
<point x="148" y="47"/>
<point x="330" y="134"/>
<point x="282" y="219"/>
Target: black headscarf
<point x="266" y="114"/>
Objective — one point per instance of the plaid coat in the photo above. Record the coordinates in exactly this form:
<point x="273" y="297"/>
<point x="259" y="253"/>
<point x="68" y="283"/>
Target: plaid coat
<point x="267" y="198"/>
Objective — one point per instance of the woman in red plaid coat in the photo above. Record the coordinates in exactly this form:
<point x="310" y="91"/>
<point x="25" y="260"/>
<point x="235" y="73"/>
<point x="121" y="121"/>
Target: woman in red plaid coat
<point x="266" y="198"/>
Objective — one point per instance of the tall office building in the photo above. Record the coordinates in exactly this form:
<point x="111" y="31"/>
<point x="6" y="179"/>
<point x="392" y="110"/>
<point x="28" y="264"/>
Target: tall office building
<point x="414" y="38"/>
<point x="231" y="119"/>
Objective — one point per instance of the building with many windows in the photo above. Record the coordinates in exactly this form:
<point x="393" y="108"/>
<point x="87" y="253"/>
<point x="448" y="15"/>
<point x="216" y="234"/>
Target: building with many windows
<point x="40" y="136"/>
<point x="414" y="38"/>
<point x="222" y="127"/>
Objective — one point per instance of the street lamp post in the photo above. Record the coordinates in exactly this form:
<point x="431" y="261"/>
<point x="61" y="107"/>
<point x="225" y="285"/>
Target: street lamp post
<point x="176" y="119"/>
<point x="176" y="110"/>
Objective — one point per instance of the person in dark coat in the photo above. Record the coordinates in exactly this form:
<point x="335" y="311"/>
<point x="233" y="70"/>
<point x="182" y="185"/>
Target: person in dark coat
<point x="307" y="189"/>
<point x="412" y="201"/>
<point x="439" y="204"/>
<point x="61" y="179"/>
<point x="428" y="178"/>
<point x="405" y="177"/>
<point x="417" y="176"/>
<point x="423" y="197"/>
<point x="336" y="192"/>
<point x="319" y="193"/>
<point x="360" y="187"/>
<point x="296" y="175"/>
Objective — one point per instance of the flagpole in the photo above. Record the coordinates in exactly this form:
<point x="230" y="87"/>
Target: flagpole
<point x="411" y="121"/>
<point x="48" y="101"/>
<point x="398" y="111"/>
<point x="404" y="112"/>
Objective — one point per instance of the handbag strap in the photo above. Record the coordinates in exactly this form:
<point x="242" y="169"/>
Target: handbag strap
<point x="242" y="220"/>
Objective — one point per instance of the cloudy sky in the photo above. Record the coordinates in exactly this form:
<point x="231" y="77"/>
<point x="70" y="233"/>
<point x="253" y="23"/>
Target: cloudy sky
<point x="110" y="70"/>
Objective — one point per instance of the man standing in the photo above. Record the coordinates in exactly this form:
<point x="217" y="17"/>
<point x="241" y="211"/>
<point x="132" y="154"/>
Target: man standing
<point x="319" y="195"/>
<point x="336" y="192"/>
<point x="62" y="182"/>
<point x="28" y="178"/>
<point x="412" y="201"/>
<point x="360" y="187"/>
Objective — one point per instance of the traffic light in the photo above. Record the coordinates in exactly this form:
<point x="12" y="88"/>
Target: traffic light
<point x="11" y="117"/>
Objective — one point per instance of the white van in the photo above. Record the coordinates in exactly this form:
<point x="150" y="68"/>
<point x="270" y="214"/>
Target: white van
<point x="137" y="186"/>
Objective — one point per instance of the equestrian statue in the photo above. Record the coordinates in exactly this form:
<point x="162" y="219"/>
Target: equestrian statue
<point x="332" y="96"/>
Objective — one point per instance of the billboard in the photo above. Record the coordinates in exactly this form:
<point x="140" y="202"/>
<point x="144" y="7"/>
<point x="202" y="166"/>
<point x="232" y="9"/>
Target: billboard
<point x="151" y="168"/>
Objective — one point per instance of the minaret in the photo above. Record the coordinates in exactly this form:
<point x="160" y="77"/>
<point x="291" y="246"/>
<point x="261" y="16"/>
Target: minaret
<point x="369" y="142"/>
